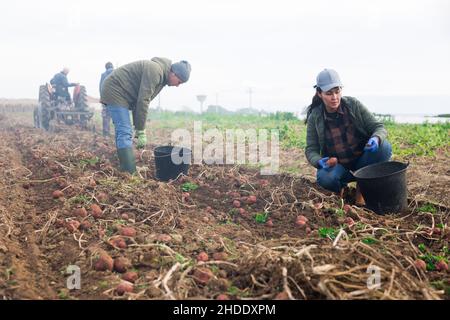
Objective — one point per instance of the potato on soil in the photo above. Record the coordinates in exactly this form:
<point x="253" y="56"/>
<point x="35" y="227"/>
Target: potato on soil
<point x="85" y="225"/>
<point x="220" y="256"/>
<point x="203" y="275"/>
<point x="101" y="233"/>
<point x="80" y="212"/>
<point x="104" y="262"/>
<point x="121" y="264"/>
<point x="436" y="231"/>
<point x="235" y="195"/>
<point x="96" y="211"/>
<point x="347" y="208"/>
<point x="124" y="287"/>
<point x="128" y="232"/>
<point x="164" y="238"/>
<point x="118" y="242"/>
<point x="263" y="182"/>
<point x="300" y="223"/>
<point x="242" y="211"/>
<point x="236" y="204"/>
<point x="57" y="194"/>
<point x="59" y="222"/>
<point x="223" y="296"/>
<point x="102" y="197"/>
<point x="185" y="196"/>
<point x="251" y="199"/>
<point x="130" y="276"/>
<point x="72" y="225"/>
<point x="62" y="182"/>
<point x="282" y="296"/>
<point x="349" y="221"/>
<point x="420" y="264"/>
<point x="269" y="223"/>
<point x="442" y="266"/>
<point x="202" y="256"/>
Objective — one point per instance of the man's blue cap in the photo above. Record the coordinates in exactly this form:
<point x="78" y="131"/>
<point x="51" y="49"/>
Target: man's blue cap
<point x="182" y="70"/>
<point x="327" y="80"/>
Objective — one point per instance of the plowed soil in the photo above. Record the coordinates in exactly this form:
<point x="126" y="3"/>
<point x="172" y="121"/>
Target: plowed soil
<point x="197" y="244"/>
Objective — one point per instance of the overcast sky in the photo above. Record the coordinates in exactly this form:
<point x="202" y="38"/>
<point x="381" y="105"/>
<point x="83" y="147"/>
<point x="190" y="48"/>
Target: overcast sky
<point x="382" y="47"/>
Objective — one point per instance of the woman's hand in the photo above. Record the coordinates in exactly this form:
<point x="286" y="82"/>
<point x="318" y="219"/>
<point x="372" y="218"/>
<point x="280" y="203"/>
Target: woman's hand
<point x="372" y="144"/>
<point x="332" y="162"/>
<point x="327" y="162"/>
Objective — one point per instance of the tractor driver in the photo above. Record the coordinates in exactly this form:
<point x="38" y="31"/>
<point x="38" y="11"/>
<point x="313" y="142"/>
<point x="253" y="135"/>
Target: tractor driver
<point x="61" y="84"/>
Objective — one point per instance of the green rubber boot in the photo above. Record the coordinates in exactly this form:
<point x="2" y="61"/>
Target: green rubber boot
<point x="127" y="160"/>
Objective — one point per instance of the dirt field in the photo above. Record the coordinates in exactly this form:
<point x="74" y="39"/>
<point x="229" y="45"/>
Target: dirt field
<point x="196" y="244"/>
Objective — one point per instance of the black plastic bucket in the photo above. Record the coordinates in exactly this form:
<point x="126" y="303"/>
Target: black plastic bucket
<point x="166" y="168"/>
<point x="383" y="186"/>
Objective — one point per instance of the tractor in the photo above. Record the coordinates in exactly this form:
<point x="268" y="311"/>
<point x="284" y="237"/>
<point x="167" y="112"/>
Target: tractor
<point x="53" y="109"/>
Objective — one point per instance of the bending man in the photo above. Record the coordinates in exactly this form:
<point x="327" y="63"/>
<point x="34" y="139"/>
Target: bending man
<point x="132" y="87"/>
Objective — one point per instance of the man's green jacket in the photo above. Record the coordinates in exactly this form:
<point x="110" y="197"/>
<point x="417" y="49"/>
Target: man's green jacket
<point x="134" y="85"/>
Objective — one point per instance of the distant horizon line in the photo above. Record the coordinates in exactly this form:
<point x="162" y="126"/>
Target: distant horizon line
<point x="359" y="94"/>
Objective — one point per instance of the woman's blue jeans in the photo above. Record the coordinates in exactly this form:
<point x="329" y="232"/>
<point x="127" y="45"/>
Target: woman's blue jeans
<point x="123" y="130"/>
<point x="337" y="177"/>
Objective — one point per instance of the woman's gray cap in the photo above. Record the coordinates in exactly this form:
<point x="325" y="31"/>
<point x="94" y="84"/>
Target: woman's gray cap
<point x="182" y="70"/>
<point x="327" y="80"/>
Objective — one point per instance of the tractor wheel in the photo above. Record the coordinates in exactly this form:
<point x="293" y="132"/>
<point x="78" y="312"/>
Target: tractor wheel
<point x="81" y="101"/>
<point x="43" y="114"/>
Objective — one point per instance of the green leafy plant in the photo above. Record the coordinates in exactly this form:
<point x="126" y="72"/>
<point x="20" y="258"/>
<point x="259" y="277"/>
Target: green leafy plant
<point x="431" y="259"/>
<point x="422" y="247"/>
<point x="215" y="269"/>
<point x="235" y="291"/>
<point x="189" y="186"/>
<point x="328" y="232"/>
<point x="340" y="212"/>
<point x="80" y="199"/>
<point x="261" y="217"/>
<point x="445" y="251"/>
<point x="418" y="139"/>
<point x="427" y="208"/>
<point x="180" y="258"/>
<point x="369" y="240"/>
<point x="8" y="273"/>
<point x="92" y="161"/>
<point x="63" y="294"/>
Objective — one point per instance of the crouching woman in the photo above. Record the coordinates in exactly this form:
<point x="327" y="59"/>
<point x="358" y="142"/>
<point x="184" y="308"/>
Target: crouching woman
<point x="342" y="135"/>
